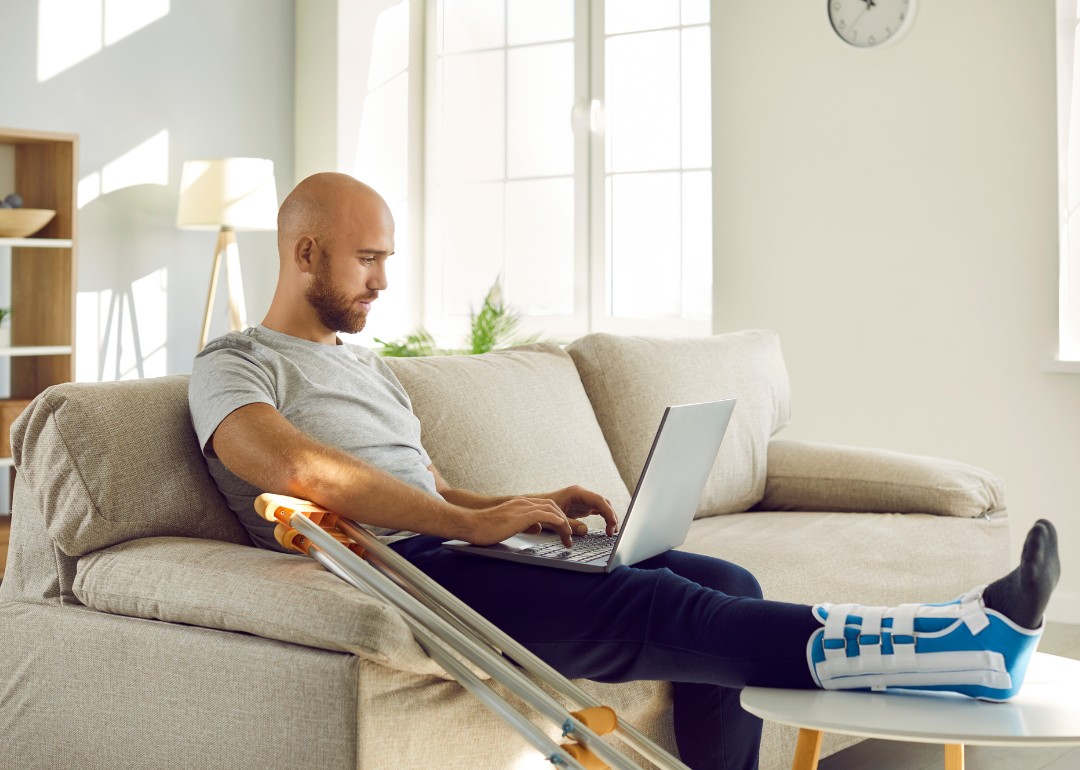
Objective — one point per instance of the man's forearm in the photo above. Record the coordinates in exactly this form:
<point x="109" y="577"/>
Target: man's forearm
<point x="475" y="501"/>
<point x="264" y="449"/>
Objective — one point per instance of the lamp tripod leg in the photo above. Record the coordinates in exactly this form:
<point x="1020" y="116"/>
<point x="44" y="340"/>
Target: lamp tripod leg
<point x="205" y="335"/>
<point x="237" y="310"/>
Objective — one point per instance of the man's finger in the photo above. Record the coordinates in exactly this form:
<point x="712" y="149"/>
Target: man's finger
<point x="603" y="507"/>
<point x="558" y="523"/>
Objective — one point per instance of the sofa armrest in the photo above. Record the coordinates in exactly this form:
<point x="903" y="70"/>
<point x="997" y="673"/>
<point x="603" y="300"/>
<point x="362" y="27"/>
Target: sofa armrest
<point x="232" y="587"/>
<point x="809" y="476"/>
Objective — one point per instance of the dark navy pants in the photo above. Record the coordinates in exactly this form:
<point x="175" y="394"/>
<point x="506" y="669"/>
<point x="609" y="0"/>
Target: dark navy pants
<point x="695" y="621"/>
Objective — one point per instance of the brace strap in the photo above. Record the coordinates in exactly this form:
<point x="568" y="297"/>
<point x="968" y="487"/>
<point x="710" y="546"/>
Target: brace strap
<point x="903" y="626"/>
<point x="870" y="633"/>
<point x="834" y="643"/>
<point x="972" y="612"/>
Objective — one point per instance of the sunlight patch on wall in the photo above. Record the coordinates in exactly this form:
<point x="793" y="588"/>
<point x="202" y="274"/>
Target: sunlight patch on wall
<point x="70" y="31"/>
<point x="123" y="335"/>
<point x="125" y="17"/>
<point x="146" y="163"/>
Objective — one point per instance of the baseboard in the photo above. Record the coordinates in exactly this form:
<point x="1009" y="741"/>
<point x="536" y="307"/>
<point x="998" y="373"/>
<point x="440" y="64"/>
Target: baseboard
<point x="1064" y="607"/>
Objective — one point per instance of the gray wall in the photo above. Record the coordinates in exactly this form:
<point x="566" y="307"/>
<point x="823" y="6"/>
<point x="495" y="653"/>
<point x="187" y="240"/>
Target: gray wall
<point x="892" y="214"/>
<point x="218" y="76"/>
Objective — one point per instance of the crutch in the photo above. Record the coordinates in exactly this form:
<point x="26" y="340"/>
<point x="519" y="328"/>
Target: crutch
<point x="432" y="613"/>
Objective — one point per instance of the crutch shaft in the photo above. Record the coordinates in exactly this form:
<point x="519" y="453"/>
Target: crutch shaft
<point x="482" y="656"/>
<point x="467" y="679"/>
<point x="502" y="641"/>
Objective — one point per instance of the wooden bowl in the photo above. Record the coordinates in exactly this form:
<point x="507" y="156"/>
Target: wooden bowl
<point x="22" y="223"/>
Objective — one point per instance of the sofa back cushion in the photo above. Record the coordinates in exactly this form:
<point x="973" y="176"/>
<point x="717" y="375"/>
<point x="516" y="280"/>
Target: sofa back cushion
<point x="111" y="462"/>
<point x="631" y="380"/>
<point x="511" y="422"/>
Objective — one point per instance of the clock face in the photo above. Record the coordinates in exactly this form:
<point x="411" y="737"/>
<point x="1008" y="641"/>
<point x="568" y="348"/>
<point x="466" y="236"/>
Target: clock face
<point x="870" y="23"/>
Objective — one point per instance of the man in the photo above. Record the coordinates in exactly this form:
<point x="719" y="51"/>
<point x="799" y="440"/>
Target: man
<point x="285" y="407"/>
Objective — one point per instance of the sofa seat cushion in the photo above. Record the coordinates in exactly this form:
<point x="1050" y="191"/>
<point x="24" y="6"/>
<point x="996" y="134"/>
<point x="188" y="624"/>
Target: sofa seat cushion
<point x="810" y="476"/>
<point x="631" y="380"/>
<point x="511" y="422"/>
<point x="866" y="558"/>
<point x="114" y="461"/>
<point x="230" y="587"/>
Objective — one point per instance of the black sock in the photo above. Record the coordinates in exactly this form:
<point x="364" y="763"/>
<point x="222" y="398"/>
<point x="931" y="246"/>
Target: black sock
<point x="1023" y="594"/>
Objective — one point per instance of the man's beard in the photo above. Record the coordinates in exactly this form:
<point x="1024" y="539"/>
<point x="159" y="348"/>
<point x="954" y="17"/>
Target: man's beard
<point x="336" y="310"/>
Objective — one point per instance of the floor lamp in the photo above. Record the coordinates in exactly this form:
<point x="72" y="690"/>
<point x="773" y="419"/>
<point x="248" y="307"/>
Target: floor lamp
<point x="227" y="194"/>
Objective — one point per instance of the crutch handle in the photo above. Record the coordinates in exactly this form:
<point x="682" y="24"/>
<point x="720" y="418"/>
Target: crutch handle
<point x="600" y="719"/>
<point x="290" y="538"/>
<point x="587" y="759"/>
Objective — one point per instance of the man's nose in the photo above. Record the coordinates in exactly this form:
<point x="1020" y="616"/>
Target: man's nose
<point x="378" y="281"/>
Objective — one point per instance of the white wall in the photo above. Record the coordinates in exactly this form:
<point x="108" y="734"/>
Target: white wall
<point x="892" y="214"/>
<point x="217" y="78"/>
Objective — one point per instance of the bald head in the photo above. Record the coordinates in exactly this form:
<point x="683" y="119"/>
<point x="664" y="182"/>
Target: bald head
<point x="323" y="205"/>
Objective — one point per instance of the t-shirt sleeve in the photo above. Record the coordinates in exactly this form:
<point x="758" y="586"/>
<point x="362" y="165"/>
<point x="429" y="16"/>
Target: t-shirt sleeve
<point x="223" y="379"/>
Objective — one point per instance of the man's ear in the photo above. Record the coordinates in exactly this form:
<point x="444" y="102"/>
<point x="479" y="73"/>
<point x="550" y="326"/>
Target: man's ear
<point x="302" y="253"/>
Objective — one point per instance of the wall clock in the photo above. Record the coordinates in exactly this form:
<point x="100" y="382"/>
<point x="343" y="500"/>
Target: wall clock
<point x="871" y="23"/>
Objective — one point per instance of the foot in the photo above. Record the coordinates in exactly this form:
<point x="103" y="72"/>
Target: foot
<point x="1023" y="594"/>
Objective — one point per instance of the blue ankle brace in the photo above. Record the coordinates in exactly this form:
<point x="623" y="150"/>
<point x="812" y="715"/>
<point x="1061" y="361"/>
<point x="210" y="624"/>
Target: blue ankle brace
<point x="960" y="646"/>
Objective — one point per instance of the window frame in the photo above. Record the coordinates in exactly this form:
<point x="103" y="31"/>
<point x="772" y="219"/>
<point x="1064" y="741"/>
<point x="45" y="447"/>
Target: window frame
<point x="591" y="253"/>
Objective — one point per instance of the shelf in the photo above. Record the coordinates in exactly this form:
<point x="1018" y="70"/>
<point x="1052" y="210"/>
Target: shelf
<point x="37" y="350"/>
<point x="37" y="243"/>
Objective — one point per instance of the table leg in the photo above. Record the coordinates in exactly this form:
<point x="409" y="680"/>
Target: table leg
<point x="954" y="756"/>
<point x="808" y="749"/>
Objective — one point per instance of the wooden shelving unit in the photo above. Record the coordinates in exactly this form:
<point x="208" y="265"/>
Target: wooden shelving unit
<point x="43" y="273"/>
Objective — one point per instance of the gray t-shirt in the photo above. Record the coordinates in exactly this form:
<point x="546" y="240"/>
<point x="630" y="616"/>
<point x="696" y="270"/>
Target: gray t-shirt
<point x="342" y="395"/>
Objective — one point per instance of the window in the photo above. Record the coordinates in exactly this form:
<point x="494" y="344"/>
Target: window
<point x="1068" y="181"/>
<point x="569" y="152"/>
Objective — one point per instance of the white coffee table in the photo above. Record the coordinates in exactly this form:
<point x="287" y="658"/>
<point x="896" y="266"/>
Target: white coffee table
<point x="1045" y="713"/>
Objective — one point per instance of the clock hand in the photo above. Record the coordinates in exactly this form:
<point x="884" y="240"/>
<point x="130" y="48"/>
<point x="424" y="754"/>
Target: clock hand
<point x="852" y="27"/>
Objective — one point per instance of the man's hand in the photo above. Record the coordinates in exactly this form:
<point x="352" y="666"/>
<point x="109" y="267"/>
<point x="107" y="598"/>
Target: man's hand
<point x="577" y="503"/>
<point x="487" y="526"/>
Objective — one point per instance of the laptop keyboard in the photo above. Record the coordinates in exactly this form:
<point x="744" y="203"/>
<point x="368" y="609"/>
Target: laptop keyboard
<point x="595" y="544"/>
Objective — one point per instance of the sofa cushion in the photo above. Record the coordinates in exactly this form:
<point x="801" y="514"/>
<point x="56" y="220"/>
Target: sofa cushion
<point x="510" y="422"/>
<point x="114" y="461"/>
<point x="631" y="380"/>
<point x="280" y="596"/>
<point x="84" y="690"/>
<point x="809" y="476"/>
<point x="866" y="558"/>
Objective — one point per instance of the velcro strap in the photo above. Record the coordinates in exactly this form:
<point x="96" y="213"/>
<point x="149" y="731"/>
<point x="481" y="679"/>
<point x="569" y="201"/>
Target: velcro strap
<point x="903" y="626"/>
<point x="973" y="614"/>
<point x="834" y="643"/>
<point x="870" y="633"/>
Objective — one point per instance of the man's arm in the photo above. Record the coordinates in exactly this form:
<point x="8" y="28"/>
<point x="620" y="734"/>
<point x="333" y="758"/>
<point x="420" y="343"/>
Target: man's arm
<point x="260" y="446"/>
<point x="575" y="502"/>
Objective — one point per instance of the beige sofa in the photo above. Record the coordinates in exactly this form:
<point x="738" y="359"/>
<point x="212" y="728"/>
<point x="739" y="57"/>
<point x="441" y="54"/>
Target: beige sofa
<point x="141" y="630"/>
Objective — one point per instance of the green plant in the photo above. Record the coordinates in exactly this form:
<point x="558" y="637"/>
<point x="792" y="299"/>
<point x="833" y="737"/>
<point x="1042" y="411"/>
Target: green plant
<point x="491" y="329"/>
<point x="5" y="313"/>
<point x="414" y="345"/>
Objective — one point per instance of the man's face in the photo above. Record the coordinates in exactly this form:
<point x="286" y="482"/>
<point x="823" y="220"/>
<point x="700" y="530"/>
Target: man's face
<point x="351" y="270"/>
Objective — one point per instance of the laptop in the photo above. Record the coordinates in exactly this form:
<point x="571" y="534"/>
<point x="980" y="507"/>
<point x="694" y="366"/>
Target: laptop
<point x="661" y="510"/>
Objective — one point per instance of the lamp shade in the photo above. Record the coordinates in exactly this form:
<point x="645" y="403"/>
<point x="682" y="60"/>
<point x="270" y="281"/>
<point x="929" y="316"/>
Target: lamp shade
<point x="228" y="192"/>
